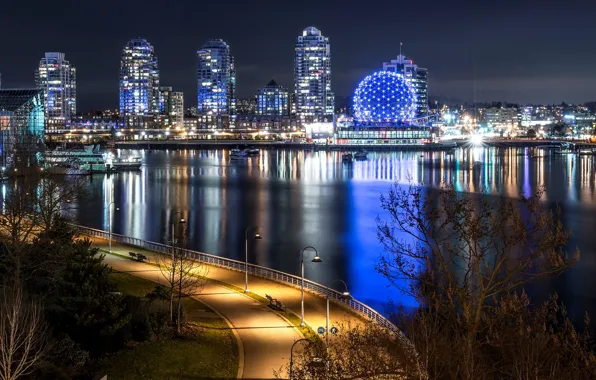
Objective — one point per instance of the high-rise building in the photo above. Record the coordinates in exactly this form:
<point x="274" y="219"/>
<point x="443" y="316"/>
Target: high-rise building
<point x="416" y="76"/>
<point x="171" y="107"/>
<point x="246" y="106"/>
<point x="273" y="100"/>
<point x="312" y="77"/>
<point x="216" y="85"/>
<point x="21" y="127"/>
<point x="57" y="78"/>
<point x="139" y="85"/>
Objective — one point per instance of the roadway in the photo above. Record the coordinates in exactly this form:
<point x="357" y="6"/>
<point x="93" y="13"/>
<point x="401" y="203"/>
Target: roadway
<point x="264" y="336"/>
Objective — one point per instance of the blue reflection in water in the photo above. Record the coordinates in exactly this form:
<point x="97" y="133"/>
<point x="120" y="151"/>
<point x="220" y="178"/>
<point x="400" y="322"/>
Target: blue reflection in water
<point x="300" y="198"/>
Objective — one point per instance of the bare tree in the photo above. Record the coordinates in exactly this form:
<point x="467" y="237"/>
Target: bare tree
<point x="455" y="252"/>
<point x="185" y="277"/>
<point x="468" y="249"/>
<point x="54" y="198"/>
<point x="22" y="333"/>
<point x="358" y="351"/>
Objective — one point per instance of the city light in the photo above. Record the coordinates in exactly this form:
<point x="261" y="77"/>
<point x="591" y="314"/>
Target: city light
<point x="384" y="97"/>
<point x="476" y="140"/>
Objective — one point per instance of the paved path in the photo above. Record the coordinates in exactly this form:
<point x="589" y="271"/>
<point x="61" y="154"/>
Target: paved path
<point x="266" y="337"/>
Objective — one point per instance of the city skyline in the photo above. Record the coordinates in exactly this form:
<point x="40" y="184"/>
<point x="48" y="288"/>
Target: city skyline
<point x="506" y="53"/>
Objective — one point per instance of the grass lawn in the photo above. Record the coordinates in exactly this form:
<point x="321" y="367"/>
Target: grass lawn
<point x="209" y="350"/>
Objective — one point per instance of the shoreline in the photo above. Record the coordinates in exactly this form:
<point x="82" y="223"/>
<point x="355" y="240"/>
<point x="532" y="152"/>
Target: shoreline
<point x="228" y="144"/>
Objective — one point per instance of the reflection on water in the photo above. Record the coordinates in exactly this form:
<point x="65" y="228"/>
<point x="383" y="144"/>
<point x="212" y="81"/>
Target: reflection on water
<point x="300" y="198"/>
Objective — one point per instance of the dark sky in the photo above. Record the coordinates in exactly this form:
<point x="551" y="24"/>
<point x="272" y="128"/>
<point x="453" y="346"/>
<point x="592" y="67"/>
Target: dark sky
<point x="519" y="51"/>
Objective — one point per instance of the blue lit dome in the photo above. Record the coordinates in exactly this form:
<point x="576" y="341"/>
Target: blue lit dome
<point x="384" y="97"/>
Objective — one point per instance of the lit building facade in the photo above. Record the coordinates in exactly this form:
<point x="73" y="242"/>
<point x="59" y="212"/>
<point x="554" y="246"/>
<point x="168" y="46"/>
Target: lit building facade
<point x="246" y="106"/>
<point x="315" y="101"/>
<point x="57" y="78"/>
<point x="171" y="107"/>
<point x="216" y="85"/>
<point x="416" y="76"/>
<point x="139" y="85"/>
<point x="273" y="101"/>
<point x="21" y="127"/>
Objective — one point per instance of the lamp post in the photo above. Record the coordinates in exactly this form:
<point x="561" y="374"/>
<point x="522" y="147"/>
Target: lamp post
<point x="292" y="354"/>
<point x="257" y="236"/>
<point x="173" y="225"/>
<point x="316" y="259"/>
<point x="109" y="221"/>
<point x="345" y="295"/>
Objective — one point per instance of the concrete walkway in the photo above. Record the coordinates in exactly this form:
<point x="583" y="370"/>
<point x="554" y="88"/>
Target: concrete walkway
<point x="266" y="337"/>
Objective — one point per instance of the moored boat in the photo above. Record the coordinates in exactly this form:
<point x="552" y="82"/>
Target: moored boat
<point x="361" y="155"/>
<point x="237" y="154"/>
<point x="347" y="157"/>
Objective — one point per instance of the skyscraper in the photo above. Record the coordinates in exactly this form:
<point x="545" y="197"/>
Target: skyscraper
<point x="216" y="85"/>
<point x="416" y="76"/>
<point x="57" y="78"/>
<point x="312" y="77"/>
<point x="171" y="106"/>
<point x="139" y="85"/>
<point x="273" y="100"/>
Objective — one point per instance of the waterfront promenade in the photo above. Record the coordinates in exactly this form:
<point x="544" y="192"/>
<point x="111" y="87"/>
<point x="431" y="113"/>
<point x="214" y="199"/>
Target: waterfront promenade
<point x="264" y="336"/>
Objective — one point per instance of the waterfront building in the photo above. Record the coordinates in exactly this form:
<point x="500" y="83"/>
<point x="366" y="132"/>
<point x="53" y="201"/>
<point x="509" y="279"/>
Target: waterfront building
<point x="57" y="78"/>
<point x="315" y="101"/>
<point x="171" y="107"/>
<point x="216" y="85"/>
<point x="267" y="123"/>
<point x="384" y="108"/>
<point x="272" y="100"/>
<point x="93" y="122"/>
<point x="416" y="76"/>
<point x="139" y="85"/>
<point x="501" y="118"/>
<point x="21" y="127"/>
<point x="246" y="106"/>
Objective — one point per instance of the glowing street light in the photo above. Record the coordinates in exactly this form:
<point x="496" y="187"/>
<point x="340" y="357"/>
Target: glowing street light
<point x="316" y="259"/>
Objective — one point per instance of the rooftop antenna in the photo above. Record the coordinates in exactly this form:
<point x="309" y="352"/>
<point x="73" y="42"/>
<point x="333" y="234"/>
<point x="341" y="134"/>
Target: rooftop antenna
<point x="400" y="57"/>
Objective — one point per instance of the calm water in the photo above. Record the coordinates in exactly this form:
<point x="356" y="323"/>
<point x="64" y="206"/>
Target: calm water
<point x="311" y="198"/>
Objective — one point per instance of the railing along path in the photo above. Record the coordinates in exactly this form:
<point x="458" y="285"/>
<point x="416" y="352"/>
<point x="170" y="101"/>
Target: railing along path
<point x="253" y="269"/>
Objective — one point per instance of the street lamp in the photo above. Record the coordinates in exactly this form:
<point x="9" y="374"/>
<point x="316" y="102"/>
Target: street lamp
<point x="257" y="236"/>
<point x="316" y="362"/>
<point x="345" y="295"/>
<point x="173" y="225"/>
<point x="316" y="259"/>
<point x="109" y="221"/>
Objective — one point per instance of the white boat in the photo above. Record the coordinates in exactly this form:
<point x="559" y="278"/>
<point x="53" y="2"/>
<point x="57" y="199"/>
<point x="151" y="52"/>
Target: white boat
<point x="127" y="163"/>
<point x="347" y="157"/>
<point x="67" y="169"/>
<point x="87" y="158"/>
<point x="361" y="155"/>
<point x="237" y="154"/>
<point x="252" y="152"/>
<point x="586" y="152"/>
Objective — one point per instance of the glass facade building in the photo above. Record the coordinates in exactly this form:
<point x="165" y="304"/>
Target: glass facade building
<point x="216" y="85"/>
<point x="273" y="101"/>
<point x="171" y="107"/>
<point x="57" y="78"/>
<point x="312" y="77"/>
<point x="416" y="76"/>
<point x="21" y="127"/>
<point x="139" y="85"/>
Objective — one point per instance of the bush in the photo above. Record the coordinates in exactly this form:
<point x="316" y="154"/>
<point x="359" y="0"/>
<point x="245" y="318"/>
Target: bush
<point x="149" y="318"/>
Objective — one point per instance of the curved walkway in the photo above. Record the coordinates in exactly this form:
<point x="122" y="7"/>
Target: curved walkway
<point x="265" y="335"/>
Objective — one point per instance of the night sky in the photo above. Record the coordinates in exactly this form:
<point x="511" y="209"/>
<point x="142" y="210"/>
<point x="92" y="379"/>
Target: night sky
<point x="519" y="51"/>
